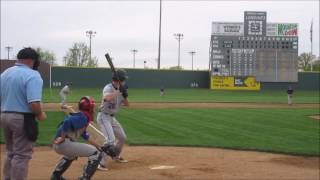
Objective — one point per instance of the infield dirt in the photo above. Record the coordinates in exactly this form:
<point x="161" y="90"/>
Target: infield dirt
<point x="190" y="163"/>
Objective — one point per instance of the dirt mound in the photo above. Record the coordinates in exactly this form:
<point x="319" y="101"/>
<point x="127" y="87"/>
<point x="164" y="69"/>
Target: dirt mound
<point x="189" y="163"/>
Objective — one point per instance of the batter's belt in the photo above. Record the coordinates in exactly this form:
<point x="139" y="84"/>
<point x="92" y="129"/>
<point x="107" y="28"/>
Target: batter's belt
<point x="112" y="115"/>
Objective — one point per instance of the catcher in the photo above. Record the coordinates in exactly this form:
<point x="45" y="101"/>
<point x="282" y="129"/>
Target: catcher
<point x="68" y="132"/>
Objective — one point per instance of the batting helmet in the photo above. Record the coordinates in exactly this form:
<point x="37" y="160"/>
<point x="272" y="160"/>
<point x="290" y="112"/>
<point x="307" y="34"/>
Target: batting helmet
<point x="120" y="75"/>
<point x="86" y="105"/>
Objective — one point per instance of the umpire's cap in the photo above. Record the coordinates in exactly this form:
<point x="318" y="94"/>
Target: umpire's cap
<point x="29" y="53"/>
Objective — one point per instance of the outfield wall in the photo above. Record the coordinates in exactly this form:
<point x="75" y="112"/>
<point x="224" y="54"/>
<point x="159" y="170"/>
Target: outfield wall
<point x="144" y="78"/>
<point x="306" y="81"/>
<point x="141" y="78"/>
<point x="138" y="78"/>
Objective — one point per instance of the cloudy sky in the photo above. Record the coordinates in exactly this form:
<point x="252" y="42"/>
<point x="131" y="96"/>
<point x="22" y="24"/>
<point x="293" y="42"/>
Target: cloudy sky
<point x="125" y="25"/>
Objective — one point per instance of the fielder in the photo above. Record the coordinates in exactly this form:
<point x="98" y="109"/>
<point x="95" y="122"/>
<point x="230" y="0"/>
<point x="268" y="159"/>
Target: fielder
<point x="65" y="143"/>
<point x="63" y="94"/>
<point x="162" y="91"/>
<point x="290" y="95"/>
<point x="114" y="95"/>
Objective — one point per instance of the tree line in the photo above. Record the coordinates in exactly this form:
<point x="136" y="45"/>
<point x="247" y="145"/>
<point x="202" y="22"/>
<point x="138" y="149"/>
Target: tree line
<point x="304" y="62"/>
<point x="78" y="55"/>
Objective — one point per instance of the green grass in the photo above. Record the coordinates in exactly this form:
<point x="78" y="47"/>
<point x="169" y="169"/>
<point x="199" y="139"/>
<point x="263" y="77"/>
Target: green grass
<point x="272" y="130"/>
<point x="192" y="95"/>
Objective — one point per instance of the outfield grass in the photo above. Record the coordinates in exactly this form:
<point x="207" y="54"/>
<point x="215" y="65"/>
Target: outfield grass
<point x="273" y="130"/>
<point x="192" y="95"/>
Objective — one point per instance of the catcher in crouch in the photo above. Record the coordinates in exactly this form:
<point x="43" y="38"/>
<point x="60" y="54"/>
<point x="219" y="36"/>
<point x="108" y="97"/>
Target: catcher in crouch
<point x="68" y="132"/>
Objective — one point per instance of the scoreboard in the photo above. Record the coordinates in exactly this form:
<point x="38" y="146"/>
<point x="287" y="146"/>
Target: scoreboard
<point x="266" y="51"/>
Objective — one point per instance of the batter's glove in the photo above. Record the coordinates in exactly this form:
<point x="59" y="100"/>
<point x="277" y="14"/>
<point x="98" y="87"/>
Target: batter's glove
<point x="125" y="94"/>
<point x="124" y="90"/>
<point x="110" y="150"/>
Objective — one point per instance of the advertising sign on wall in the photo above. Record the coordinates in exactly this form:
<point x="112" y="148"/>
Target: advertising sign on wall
<point x="255" y="23"/>
<point x="287" y="29"/>
<point x="227" y="29"/>
<point x="234" y="83"/>
<point x="282" y="29"/>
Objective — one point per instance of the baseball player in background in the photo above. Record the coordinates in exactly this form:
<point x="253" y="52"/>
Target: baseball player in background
<point x="290" y="95"/>
<point x="65" y="143"/>
<point x="65" y="91"/>
<point x="115" y="95"/>
<point x="162" y="91"/>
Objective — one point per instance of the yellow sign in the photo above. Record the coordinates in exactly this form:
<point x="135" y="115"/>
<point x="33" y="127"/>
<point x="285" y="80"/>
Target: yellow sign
<point x="234" y="83"/>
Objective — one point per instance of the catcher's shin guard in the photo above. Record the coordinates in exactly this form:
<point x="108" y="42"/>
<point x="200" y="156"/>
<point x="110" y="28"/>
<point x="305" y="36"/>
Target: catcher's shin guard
<point x="61" y="167"/>
<point x="92" y="166"/>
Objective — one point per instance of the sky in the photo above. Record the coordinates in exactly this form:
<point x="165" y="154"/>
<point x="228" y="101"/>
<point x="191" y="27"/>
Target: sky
<point x="125" y="25"/>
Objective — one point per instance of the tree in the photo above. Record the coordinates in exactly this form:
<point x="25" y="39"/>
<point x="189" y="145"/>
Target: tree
<point x="79" y="55"/>
<point x="47" y="56"/>
<point x="304" y="60"/>
<point x="316" y="64"/>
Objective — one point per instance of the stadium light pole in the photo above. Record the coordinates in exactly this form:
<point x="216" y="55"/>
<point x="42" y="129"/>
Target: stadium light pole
<point x="179" y="37"/>
<point x="311" y="33"/>
<point x="90" y="34"/>
<point x="159" y="48"/>
<point x="134" y="51"/>
<point x="9" y="48"/>
<point x="192" y="53"/>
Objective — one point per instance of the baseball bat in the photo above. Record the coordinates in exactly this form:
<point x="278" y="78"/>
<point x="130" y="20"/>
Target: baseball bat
<point x="97" y="135"/>
<point x="111" y="65"/>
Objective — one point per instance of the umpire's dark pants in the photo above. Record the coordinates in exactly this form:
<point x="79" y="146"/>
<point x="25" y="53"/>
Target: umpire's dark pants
<point x="19" y="148"/>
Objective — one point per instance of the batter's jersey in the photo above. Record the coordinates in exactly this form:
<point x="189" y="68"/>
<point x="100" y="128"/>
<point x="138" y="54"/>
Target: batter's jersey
<point x="110" y="107"/>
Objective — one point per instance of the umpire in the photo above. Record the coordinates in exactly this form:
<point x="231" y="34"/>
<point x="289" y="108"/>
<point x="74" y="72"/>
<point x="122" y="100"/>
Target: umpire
<point x="21" y="91"/>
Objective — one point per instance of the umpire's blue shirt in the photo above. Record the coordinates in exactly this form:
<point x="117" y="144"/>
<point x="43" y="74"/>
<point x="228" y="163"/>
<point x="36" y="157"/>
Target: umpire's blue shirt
<point x="20" y="85"/>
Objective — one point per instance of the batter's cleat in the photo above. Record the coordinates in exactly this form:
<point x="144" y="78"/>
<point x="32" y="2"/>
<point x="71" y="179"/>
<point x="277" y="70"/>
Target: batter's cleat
<point x="120" y="160"/>
<point x="102" y="168"/>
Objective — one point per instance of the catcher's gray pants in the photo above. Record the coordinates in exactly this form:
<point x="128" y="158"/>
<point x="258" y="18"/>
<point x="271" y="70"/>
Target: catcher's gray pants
<point x="19" y="148"/>
<point x="71" y="150"/>
<point x="113" y="131"/>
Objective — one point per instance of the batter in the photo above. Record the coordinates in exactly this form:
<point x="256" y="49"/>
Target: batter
<point x="115" y="95"/>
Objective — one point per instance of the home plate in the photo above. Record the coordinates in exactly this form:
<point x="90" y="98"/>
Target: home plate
<point x="161" y="167"/>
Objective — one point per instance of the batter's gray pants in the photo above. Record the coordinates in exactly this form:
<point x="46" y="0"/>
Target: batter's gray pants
<point x="113" y="131"/>
<point x="19" y="148"/>
<point x="71" y="150"/>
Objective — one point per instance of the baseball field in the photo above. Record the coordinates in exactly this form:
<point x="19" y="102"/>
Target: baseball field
<point x="200" y="134"/>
